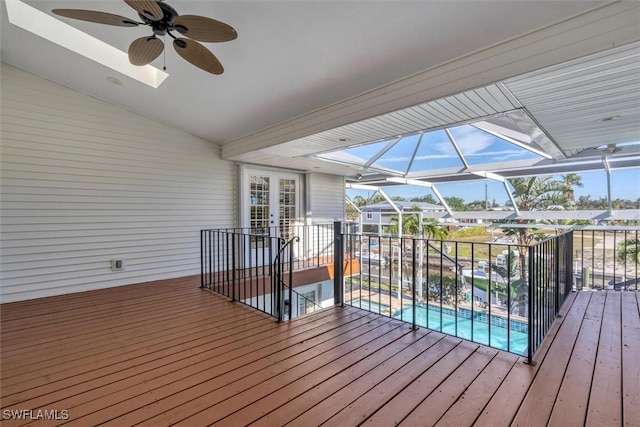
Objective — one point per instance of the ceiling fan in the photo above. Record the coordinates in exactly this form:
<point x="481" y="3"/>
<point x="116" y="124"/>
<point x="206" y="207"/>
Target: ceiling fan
<point x="163" y="19"/>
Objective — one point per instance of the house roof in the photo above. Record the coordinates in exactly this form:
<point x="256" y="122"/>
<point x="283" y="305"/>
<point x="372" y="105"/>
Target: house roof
<point x="306" y="78"/>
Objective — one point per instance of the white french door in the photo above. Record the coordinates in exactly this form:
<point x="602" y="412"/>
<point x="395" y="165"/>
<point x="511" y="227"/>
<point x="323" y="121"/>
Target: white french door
<point x="270" y="209"/>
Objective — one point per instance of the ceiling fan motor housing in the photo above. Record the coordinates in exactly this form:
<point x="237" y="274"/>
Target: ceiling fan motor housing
<point x="162" y="26"/>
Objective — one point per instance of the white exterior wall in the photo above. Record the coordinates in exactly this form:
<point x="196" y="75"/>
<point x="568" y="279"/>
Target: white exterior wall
<point x="83" y="181"/>
<point x="325" y="198"/>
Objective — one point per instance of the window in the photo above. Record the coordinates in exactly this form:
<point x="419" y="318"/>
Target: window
<point x="306" y="302"/>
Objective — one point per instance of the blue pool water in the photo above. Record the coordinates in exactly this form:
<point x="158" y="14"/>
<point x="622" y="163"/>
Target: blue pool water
<point x="369" y="305"/>
<point x="513" y="339"/>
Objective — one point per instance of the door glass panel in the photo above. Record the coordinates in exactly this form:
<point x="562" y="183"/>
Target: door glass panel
<point x="259" y="198"/>
<point x="287" y="199"/>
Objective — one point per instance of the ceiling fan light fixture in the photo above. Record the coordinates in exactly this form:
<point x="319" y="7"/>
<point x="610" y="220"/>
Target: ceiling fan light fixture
<point x="163" y="19"/>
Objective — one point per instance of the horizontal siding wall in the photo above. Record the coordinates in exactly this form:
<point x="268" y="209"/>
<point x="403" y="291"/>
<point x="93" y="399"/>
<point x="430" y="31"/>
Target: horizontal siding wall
<point x="325" y="197"/>
<point x="84" y="181"/>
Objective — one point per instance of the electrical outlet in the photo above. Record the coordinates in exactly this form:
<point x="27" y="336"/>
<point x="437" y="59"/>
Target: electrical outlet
<point x="117" y="264"/>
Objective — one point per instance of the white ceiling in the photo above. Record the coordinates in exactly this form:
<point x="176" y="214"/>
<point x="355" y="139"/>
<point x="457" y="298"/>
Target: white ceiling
<point x="294" y="58"/>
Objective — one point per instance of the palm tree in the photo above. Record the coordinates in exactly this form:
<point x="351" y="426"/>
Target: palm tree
<point x="584" y="202"/>
<point x="569" y="181"/>
<point x="411" y="226"/>
<point x="433" y="230"/>
<point x="530" y="194"/>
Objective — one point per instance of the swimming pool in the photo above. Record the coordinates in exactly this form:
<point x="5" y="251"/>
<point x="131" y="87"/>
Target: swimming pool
<point x="474" y="328"/>
<point x="365" y="304"/>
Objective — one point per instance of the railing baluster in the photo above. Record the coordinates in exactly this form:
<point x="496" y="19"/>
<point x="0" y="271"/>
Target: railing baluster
<point x="414" y="308"/>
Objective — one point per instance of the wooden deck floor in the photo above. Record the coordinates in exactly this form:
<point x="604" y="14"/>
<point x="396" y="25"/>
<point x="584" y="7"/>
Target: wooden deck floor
<point x="169" y="353"/>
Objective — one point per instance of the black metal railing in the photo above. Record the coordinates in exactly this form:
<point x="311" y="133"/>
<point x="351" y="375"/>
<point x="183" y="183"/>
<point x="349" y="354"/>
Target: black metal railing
<point x="550" y="281"/>
<point x="484" y="292"/>
<point x="254" y="269"/>
<point x="467" y="289"/>
<point x="606" y="258"/>
<point x="495" y="293"/>
<point x="313" y="248"/>
<point x="242" y="267"/>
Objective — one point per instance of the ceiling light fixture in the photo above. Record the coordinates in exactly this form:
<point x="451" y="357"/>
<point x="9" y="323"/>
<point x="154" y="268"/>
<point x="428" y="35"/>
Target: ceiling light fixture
<point x="163" y="19"/>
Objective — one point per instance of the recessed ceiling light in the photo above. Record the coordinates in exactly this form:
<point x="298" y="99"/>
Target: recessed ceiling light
<point x="115" y="81"/>
<point x="343" y="139"/>
<point x="608" y="119"/>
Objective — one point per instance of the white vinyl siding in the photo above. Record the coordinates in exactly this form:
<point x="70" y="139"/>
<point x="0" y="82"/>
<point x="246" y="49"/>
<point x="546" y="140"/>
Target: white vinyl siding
<point x="84" y="181"/>
<point x="325" y="198"/>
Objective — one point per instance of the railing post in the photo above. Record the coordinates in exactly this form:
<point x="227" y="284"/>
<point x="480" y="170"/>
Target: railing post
<point x="202" y="258"/>
<point x="558" y="260"/>
<point x="290" y="281"/>
<point x="530" y="349"/>
<point x="233" y="267"/>
<point x="413" y="279"/>
<point x="277" y="279"/>
<point x="338" y="263"/>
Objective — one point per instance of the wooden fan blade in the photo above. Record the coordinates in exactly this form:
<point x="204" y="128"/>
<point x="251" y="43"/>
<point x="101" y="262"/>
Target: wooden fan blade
<point x="148" y="8"/>
<point x="204" y="29"/>
<point x="144" y="50"/>
<point x="198" y="55"/>
<point x="97" y="17"/>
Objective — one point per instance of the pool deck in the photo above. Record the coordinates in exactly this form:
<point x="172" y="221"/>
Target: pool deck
<point x="167" y="353"/>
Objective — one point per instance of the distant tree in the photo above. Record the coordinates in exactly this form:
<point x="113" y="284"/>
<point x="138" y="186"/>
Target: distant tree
<point x="398" y="199"/>
<point x="411" y="226"/>
<point x="456" y="204"/>
<point x="601" y="203"/>
<point x="426" y="199"/>
<point x="375" y="198"/>
<point x="359" y="201"/>
<point x="584" y="202"/>
<point x="476" y="205"/>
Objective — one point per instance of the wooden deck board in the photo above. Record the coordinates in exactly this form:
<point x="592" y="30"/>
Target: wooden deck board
<point x="167" y="352"/>
<point x="630" y="352"/>
<point x="339" y="396"/>
<point x="539" y="400"/>
<point x="175" y="397"/>
<point x="570" y="407"/>
<point x="605" y="401"/>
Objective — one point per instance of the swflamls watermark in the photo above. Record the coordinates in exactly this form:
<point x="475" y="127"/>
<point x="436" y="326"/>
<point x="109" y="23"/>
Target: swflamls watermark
<point x="35" y="414"/>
